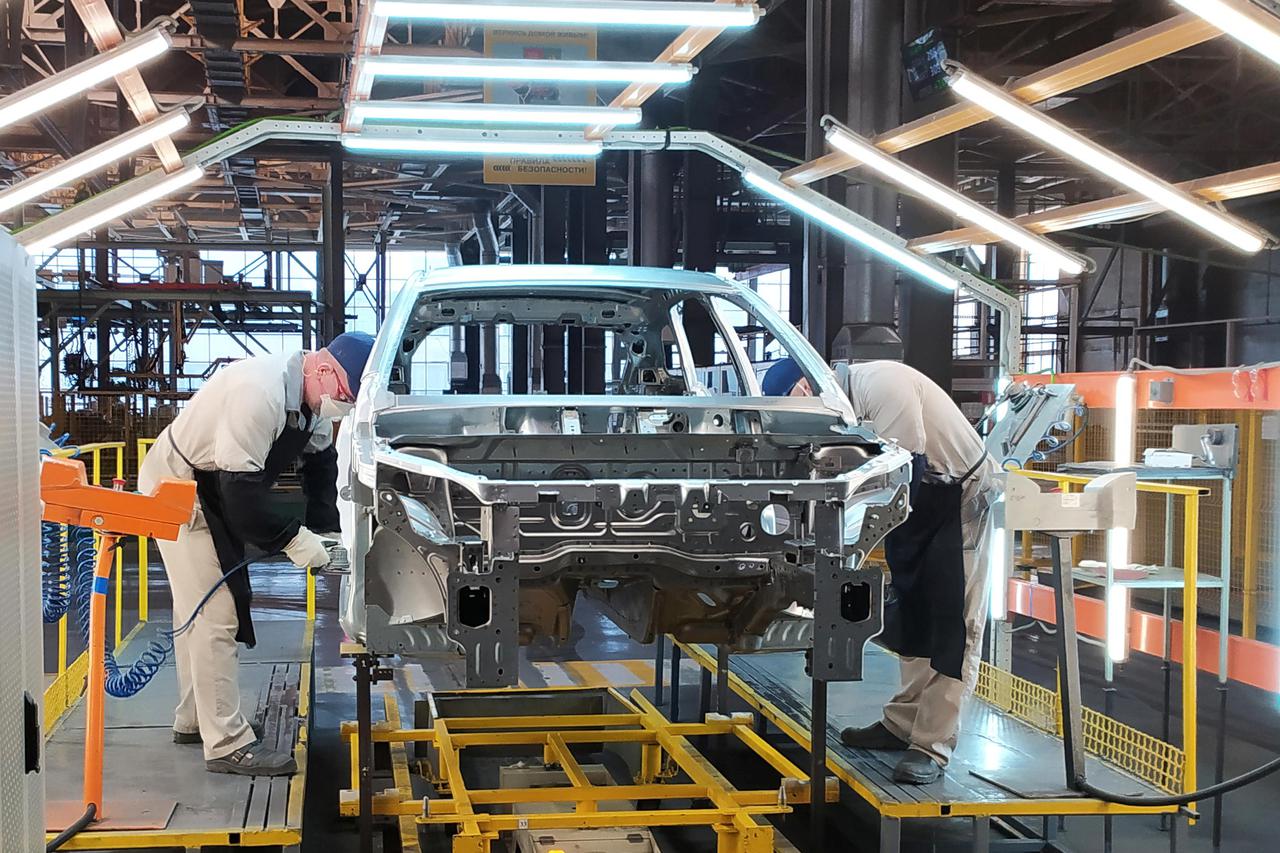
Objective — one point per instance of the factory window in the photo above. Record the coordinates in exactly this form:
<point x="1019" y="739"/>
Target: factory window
<point x="1040" y="350"/>
<point x="709" y="350"/>
<point x="759" y="343"/>
<point x="967" y="333"/>
<point x="362" y="281"/>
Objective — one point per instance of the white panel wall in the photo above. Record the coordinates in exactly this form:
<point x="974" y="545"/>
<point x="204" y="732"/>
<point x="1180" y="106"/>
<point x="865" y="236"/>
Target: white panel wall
<point x="21" y="793"/>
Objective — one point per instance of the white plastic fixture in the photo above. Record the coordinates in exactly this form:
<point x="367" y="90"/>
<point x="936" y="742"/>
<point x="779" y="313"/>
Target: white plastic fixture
<point x="77" y="225"/>
<point x="477" y="113"/>
<point x="613" y="13"/>
<point x="469" y="147"/>
<point x="93" y="160"/>
<point x="82" y="76"/>
<point x="904" y="258"/>
<point x="1257" y="31"/>
<point x="531" y="70"/>
<point x="916" y="182"/>
<point x="1067" y="142"/>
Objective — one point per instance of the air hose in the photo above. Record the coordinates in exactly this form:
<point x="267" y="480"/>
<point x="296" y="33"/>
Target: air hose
<point x="127" y="682"/>
<point x="55" y="577"/>
<point x="1224" y="787"/>
<point x="90" y="812"/>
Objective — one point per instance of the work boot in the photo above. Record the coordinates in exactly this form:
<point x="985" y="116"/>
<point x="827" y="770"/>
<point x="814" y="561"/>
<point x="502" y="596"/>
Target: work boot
<point x="917" y="768"/>
<point x="254" y="760"/>
<point x="194" y="737"/>
<point x="875" y="736"/>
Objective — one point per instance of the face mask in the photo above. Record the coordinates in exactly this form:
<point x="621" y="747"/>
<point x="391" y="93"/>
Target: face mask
<point x="332" y="409"/>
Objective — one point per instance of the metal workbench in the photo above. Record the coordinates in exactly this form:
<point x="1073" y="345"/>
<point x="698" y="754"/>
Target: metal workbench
<point x="151" y="781"/>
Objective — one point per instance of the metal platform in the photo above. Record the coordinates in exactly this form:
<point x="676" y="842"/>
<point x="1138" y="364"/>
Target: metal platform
<point x="143" y="765"/>
<point x="1002" y="767"/>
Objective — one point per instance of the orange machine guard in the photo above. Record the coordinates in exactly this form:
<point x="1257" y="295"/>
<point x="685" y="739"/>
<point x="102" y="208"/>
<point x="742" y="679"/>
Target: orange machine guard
<point x="69" y="499"/>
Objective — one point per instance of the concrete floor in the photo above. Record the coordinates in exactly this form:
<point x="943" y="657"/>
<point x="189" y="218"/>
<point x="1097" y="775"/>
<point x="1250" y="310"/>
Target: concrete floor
<point x="1253" y="736"/>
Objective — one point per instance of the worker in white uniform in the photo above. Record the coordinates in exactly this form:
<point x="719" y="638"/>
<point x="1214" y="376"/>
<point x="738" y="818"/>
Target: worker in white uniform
<point x="936" y="607"/>
<point x="245" y="426"/>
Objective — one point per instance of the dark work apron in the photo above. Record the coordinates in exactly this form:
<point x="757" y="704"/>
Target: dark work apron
<point x="924" y="605"/>
<point x="285" y="450"/>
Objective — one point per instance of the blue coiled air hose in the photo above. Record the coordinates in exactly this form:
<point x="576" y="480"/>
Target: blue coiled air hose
<point x="123" y="683"/>
<point x="55" y="576"/>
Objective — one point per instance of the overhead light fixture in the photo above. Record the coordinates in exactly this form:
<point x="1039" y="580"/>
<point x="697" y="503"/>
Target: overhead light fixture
<point x="913" y="263"/>
<point x="93" y="160"/>
<point x="1243" y="21"/>
<point x="1021" y="116"/>
<point x="612" y="13"/>
<point x="474" y="146"/>
<point x="916" y="182"/>
<point x="83" y="76"/>
<point x="517" y="114"/>
<point x="86" y="216"/>
<point x="531" y="70"/>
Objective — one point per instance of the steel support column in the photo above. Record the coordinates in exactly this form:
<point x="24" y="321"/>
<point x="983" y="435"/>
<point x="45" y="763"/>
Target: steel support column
<point x="576" y="252"/>
<point x="861" y="322"/>
<point x="521" y="245"/>
<point x="555" y="204"/>
<point x="826" y="91"/>
<point x="334" y="252"/>
<point x="926" y="314"/>
<point x="650" y="241"/>
<point x="595" y="250"/>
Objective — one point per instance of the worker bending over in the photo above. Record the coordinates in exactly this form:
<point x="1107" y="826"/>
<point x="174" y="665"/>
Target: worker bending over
<point x="936" y="606"/>
<point x="244" y="427"/>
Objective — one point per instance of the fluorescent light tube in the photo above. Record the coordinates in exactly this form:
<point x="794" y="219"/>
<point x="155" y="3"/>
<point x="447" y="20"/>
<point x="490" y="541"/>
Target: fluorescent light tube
<point x="896" y="254"/>
<point x="1243" y="21"/>
<point x="83" y="76"/>
<point x="93" y="160"/>
<point x="79" y="223"/>
<point x="999" y="574"/>
<point x="1021" y="116"/>
<point x="940" y="195"/>
<point x="1126" y="419"/>
<point x="532" y="70"/>
<point x="649" y="13"/>
<point x="1118" y="617"/>
<point x="476" y="147"/>
<point x="528" y="114"/>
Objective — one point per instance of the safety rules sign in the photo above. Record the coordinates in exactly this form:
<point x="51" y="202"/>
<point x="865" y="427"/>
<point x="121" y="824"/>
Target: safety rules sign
<point x="567" y="43"/>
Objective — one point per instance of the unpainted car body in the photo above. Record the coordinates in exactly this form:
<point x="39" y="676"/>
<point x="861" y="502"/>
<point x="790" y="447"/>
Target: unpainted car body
<point x="476" y="520"/>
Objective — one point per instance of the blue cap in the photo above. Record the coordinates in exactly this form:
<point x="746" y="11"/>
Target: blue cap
<point x="781" y="378"/>
<point x="351" y="350"/>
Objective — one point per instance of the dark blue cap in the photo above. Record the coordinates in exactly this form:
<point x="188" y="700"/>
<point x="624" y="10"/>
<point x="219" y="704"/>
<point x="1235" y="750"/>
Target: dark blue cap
<point x="781" y="378"/>
<point x="351" y="350"/>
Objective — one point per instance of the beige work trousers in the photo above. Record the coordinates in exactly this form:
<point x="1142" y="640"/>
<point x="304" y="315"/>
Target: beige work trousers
<point x="926" y="710"/>
<point x="206" y="655"/>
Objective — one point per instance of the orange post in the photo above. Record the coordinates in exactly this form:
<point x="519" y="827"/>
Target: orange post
<point x="96" y="693"/>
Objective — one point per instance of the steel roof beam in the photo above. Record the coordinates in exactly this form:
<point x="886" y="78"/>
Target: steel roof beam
<point x="105" y="33"/>
<point x="1242" y="183"/>
<point x="1123" y="54"/>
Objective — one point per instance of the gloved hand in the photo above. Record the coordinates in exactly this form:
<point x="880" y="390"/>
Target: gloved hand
<point x="307" y="549"/>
